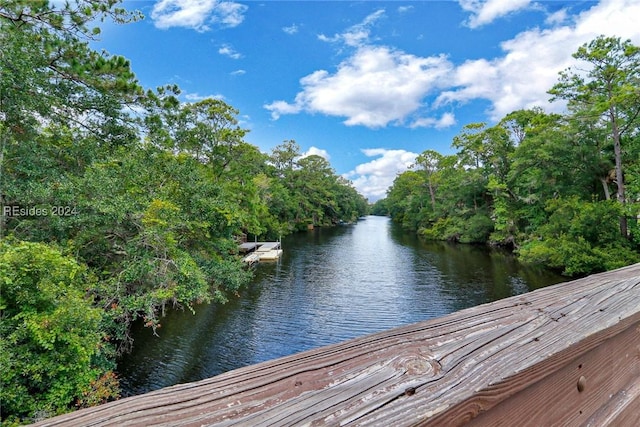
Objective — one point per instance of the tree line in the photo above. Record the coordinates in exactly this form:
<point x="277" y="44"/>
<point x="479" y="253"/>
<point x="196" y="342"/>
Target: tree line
<point x="120" y="202"/>
<point x="561" y="190"/>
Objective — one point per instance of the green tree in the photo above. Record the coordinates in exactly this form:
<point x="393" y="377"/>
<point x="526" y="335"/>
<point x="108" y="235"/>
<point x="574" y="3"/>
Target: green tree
<point x="547" y="163"/>
<point x="429" y="161"/>
<point x="49" y="72"/>
<point x="209" y="130"/>
<point x="53" y="351"/>
<point x="306" y="190"/>
<point x="285" y="155"/>
<point x="406" y="199"/>
<point x="159" y="228"/>
<point x="312" y="185"/>
<point x="540" y="183"/>
<point x="580" y="237"/>
<point x="485" y="149"/>
<point x="606" y="94"/>
<point x="380" y="208"/>
<point x="52" y="79"/>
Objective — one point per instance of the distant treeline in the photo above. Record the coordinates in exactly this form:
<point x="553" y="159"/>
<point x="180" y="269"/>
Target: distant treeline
<point x="119" y="203"/>
<point x="562" y="191"/>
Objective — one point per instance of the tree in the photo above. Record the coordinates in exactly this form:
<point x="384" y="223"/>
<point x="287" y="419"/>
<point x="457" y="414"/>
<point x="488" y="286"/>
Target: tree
<point x="53" y="351"/>
<point x="284" y="156"/>
<point x="549" y="162"/>
<point x="580" y="237"/>
<point x="486" y="149"/>
<point x="49" y="72"/>
<point x="400" y="198"/>
<point x="429" y="161"/>
<point x="51" y="78"/>
<point x="540" y="183"/>
<point x="607" y="94"/>
<point x="312" y="185"/>
<point x="209" y="130"/>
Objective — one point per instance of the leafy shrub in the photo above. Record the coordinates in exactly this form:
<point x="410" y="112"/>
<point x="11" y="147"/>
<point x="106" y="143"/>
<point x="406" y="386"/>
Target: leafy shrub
<point x="580" y="238"/>
<point x="443" y="229"/>
<point x="477" y="229"/>
<point x="51" y="345"/>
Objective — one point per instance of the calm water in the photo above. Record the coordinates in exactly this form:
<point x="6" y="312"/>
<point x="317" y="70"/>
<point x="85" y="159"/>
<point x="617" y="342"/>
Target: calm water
<point x="329" y="286"/>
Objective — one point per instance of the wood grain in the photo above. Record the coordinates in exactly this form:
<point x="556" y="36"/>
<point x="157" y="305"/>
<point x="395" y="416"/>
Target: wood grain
<point x="516" y="361"/>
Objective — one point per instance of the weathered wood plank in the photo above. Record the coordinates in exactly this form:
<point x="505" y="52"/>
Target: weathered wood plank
<point x="512" y="362"/>
<point x="580" y="388"/>
<point x="622" y="409"/>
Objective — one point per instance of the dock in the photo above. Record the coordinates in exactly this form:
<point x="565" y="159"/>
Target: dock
<point x="564" y="355"/>
<point x="260" y="251"/>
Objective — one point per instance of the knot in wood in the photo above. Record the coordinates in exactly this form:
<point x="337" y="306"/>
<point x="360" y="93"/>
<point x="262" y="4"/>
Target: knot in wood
<point x="417" y="365"/>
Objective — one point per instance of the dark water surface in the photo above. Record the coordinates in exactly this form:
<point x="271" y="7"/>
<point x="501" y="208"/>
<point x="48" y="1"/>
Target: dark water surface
<point x="330" y="285"/>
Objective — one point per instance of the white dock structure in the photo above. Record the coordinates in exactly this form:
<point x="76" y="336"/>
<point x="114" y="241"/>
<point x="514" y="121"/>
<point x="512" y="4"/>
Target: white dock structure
<point x="260" y="251"/>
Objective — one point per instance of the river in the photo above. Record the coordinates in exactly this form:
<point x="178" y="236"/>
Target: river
<point x="330" y="285"/>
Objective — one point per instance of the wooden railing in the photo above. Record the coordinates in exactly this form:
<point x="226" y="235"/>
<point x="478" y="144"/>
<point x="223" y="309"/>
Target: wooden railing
<point x="564" y="355"/>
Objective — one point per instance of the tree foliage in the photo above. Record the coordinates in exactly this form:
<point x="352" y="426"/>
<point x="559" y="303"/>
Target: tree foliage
<point x="305" y="190"/>
<point x="541" y="183"/>
<point x="607" y="97"/>
<point x="53" y="348"/>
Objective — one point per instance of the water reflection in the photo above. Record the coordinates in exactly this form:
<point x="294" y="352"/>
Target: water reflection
<point x="330" y="285"/>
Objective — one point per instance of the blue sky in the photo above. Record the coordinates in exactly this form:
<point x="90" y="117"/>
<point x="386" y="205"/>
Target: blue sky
<point x="366" y="84"/>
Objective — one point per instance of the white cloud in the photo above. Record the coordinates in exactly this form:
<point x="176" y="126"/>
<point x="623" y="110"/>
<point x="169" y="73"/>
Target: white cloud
<point x="195" y="97"/>
<point x="197" y="14"/>
<point x="373" y="87"/>
<point x="292" y="29"/>
<point x="610" y="17"/>
<point x="238" y="72"/>
<point x="356" y="35"/>
<point x="484" y="12"/>
<point x="278" y="108"/>
<point x="229" y="14"/>
<point x="227" y="50"/>
<point x="314" y="151"/>
<point x="532" y="60"/>
<point x="404" y="9"/>
<point x="445" y="121"/>
<point x="558" y="17"/>
<point x="377" y="85"/>
<point x="372" y="179"/>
